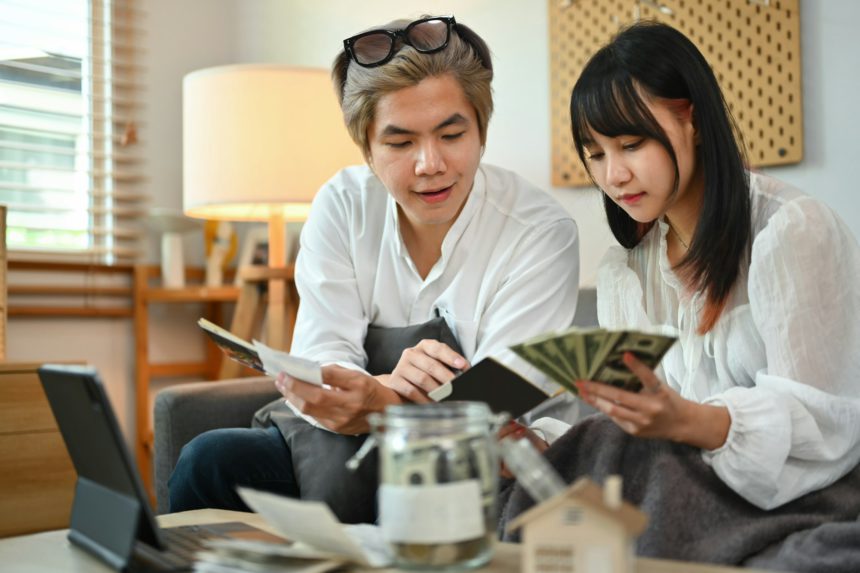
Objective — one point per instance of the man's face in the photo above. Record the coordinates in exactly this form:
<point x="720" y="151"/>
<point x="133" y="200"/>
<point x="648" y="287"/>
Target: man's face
<point x="425" y="148"/>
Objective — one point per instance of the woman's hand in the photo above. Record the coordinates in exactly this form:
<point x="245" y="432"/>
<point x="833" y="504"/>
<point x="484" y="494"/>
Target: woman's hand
<point x="422" y="369"/>
<point x="344" y="407"/>
<point x="658" y="411"/>
<point x="516" y="431"/>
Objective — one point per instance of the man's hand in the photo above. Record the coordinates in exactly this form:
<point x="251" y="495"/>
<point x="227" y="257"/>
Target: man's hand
<point x="658" y="411"/>
<point x="344" y="407"/>
<point x="422" y="369"/>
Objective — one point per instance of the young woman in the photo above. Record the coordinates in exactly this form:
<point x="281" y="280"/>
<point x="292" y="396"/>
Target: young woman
<point x="759" y="280"/>
<point x="424" y="230"/>
<point x="753" y="418"/>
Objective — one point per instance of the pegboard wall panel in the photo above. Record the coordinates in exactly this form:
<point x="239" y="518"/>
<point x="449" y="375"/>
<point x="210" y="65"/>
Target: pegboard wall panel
<point x="752" y="45"/>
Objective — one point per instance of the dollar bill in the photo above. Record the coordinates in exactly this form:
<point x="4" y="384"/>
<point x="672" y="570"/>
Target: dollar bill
<point x="593" y="354"/>
<point x="573" y="344"/>
<point x="537" y="357"/>
<point x="593" y="342"/>
<point x="553" y="352"/>
<point x="648" y="348"/>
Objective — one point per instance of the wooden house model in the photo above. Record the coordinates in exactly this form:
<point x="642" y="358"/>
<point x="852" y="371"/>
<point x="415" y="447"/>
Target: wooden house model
<point x="584" y="529"/>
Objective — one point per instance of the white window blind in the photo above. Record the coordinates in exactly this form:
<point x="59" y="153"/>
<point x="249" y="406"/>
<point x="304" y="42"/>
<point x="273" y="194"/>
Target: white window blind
<point x="70" y="172"/>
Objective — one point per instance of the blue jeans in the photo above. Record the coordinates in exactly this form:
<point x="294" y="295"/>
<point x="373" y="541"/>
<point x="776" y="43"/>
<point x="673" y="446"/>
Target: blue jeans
<point x="211" y="466"/>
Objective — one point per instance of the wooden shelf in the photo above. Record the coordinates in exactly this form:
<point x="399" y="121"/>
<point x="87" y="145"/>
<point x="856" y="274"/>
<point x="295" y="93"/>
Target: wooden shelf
<point x="36" y="298"/>
<point x="192" y="294"/>
<point x="148" y="292"/>
<point x="246" y="323"/>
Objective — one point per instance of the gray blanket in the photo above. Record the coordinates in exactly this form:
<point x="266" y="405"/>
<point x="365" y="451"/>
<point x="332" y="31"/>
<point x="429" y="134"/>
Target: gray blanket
<point x="694" y="516"/>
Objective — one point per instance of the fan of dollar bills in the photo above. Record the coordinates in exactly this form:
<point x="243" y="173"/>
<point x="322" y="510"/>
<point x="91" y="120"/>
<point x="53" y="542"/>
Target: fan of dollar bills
<point x="593" y="354"/>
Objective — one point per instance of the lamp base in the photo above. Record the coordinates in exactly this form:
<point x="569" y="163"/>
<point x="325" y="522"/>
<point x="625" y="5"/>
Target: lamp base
<point x="172" y="261"/>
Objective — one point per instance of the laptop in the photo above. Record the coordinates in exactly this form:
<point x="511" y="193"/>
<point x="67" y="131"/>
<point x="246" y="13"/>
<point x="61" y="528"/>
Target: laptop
<point x="111" y="516"/>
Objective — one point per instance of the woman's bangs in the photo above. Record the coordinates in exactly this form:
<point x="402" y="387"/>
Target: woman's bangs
<point x="610" y="109"/>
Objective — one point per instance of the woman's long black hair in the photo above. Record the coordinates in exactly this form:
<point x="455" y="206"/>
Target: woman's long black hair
<point x="658" y="60"/>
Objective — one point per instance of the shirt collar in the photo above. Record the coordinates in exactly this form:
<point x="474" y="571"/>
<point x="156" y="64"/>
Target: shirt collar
<point x="452" y="237"/>
<point x="467" y="214"/>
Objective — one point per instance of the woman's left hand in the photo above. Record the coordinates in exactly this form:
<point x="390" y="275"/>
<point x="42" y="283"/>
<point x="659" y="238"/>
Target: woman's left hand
<point x="657" y="411"/>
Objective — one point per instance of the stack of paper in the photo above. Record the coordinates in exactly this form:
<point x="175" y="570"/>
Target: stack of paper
<point x="320" y="542"/>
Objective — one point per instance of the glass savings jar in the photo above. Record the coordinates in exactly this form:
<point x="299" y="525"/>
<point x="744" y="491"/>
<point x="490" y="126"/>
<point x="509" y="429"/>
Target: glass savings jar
<point x="438" y="481"/>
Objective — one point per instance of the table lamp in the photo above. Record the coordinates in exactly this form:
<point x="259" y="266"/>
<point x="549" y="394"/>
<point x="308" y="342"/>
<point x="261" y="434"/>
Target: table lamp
<point x="258" y="142"/>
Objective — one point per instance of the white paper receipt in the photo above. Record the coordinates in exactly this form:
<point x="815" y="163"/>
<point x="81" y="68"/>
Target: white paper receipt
<point x="277" y="361"/>
<point x="443" y="513"/>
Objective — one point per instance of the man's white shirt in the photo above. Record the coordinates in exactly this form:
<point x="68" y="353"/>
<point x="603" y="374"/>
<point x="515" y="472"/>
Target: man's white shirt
<point x="509" y="270"/>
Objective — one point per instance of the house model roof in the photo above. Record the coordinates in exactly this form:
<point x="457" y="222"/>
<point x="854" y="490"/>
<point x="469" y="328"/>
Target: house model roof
<point x="590" y="494"/>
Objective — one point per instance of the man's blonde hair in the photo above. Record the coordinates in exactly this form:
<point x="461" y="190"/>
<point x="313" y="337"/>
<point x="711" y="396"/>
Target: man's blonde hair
<point x="359" y="89"/>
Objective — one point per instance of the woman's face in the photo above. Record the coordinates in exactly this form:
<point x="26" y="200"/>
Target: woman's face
<point x="637" y="173"/>
<point x="425" y="147"/>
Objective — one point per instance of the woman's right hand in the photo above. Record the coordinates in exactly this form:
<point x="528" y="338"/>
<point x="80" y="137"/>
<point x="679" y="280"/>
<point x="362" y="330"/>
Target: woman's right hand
<point x="422" y="369"/>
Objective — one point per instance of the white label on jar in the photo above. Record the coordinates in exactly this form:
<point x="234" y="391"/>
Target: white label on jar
<point x="443" y="513"/>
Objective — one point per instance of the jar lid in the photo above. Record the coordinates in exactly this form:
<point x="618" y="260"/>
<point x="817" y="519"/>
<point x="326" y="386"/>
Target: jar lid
<point x="453" y="409"/>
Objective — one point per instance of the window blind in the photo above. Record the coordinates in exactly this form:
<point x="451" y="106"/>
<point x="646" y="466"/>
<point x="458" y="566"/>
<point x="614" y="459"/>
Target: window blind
<point x="70" y="169"/>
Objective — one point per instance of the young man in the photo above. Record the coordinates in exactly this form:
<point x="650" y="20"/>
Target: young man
<point x="424" y="230"/>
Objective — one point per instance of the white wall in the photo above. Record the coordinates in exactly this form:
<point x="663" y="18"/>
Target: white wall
<point x="191" y="34"/>
<point x="310" y="34"/>
<point x="830" y="47"/>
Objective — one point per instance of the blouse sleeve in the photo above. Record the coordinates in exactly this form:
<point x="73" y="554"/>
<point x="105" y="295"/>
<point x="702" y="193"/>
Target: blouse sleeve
<point x="797" y="429"/>
<point x="619" y="292"/>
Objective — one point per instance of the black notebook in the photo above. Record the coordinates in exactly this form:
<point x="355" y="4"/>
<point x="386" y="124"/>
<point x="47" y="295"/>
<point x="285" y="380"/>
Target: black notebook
<point x="500" y="387"/>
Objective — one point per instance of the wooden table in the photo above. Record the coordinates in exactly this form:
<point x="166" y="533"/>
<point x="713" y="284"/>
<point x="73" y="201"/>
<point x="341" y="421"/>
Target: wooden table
<point x="52" y="552"/>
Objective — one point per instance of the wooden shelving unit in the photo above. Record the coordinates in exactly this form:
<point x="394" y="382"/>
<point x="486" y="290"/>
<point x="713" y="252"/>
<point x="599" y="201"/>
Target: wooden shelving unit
<point x="147" y="293"/>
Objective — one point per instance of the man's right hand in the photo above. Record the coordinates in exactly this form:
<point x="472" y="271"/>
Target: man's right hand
<point x="422" y="369"/>
<point x="344" y="406"/>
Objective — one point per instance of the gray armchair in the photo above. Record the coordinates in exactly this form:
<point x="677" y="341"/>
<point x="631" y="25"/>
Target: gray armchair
<point x="185" y="410"/>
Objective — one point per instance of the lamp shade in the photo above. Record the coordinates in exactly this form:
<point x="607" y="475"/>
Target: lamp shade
<point x="259" y="141"/>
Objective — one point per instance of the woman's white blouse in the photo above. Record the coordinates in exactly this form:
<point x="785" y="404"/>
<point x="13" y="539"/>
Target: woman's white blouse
<point x="784" y="357"/>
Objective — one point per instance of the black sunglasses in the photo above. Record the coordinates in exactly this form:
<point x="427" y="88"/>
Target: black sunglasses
<point x="376" y="47"/>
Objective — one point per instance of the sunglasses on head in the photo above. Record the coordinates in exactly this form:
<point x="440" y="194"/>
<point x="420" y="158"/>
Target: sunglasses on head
<point x="376" y="47"/>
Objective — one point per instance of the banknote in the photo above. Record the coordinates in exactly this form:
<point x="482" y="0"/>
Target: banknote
<point x="648" y="348"/>
<point x="546" y="363"/>
<point x="593" y="354"/>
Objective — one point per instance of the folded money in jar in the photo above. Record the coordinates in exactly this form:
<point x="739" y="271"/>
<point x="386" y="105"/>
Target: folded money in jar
<point x="438" y="481"/>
